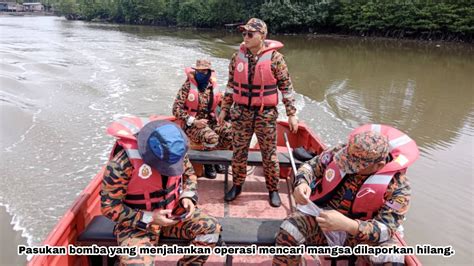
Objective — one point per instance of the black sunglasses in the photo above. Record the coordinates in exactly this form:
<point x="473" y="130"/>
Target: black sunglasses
<point x="248" y="33"/>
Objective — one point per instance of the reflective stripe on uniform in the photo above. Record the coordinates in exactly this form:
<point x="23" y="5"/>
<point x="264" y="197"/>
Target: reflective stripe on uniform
<point x="401" y="230"/>
<point x="384" y="235"/>
<point x="381" y="259"/>
<point x="210" y="145"/>
<point x="293" y="231"/>
<point x="308" y="167"/>
<point x="187" y="194"/>
<point x="207" y="238"/>
<point x="289" y="94"/>
<point x="378" y="179"/>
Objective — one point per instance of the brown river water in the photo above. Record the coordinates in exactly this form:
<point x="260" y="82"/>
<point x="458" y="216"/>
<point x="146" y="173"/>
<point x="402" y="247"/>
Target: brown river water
<point x="62" y="82"/>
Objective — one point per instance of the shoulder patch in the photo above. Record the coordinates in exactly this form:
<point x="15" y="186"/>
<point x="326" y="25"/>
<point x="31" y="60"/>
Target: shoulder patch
<point x="394" y="204"/>
<point x="326" y="158"/>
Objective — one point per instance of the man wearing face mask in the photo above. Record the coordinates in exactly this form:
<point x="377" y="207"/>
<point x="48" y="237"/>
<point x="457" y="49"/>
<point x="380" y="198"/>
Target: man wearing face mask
<point x="256" y="73"/>
<point x="196" y="105"/>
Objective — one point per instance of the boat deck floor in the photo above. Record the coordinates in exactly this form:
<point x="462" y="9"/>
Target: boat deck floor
<point x="252" y="203"/>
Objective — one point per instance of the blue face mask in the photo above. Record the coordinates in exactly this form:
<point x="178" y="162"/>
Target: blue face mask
<point x="202" y="80"/>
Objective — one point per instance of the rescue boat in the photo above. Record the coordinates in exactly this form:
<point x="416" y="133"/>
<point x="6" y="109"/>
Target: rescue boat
<point x="247" y="220"/>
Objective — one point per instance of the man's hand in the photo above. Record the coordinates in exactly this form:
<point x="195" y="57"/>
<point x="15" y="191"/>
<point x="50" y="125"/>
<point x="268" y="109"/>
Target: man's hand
<point x="293" y="123"/>
<point x="188" y="204"/>
<point x="333" y="220"/>
<point x="200" y="123"/>
<point x="301" y="194"/>
<point x="160" y="218"/>
<point x="221" y="118"/>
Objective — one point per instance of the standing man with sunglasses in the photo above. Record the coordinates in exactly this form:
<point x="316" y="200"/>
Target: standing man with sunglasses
<point x="256" y="73"/>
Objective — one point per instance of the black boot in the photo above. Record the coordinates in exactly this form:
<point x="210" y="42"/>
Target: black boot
<point x="220" y="168"/>
<point x="233" y="193"/>
<point x="209" y="171"/>
<point x="275" y="200"/>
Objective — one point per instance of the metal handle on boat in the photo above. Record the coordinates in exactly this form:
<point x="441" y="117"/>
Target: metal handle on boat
<point x="290" y="151"/>
<point x="293" y="166"/>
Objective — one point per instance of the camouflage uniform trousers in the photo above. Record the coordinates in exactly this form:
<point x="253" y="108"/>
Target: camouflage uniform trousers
<point x="299" y="228"/>
<point x="245" y="122"/>
<point x="212" y="136"/>
<point x="202" y="229"/>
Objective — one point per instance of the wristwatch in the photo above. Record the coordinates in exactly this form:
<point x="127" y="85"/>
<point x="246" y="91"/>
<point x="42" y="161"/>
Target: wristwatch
<point x="145" y="221"/>
<point x="190" y="121"/>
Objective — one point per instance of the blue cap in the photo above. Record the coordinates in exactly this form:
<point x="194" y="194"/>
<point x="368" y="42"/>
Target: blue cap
<point x="162" y="145"/>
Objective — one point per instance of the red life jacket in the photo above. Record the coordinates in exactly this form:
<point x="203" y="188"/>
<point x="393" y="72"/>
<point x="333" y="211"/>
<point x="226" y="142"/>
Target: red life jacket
<point x="145" y="189"/>
<point x="263" y="89"/>
<point x="192" y="102"/>
<point x="370" y="196"/>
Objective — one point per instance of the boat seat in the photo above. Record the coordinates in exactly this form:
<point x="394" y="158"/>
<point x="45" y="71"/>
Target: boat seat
<point x="248" y="231"/>
<point x="257" y="231"/>
<point x="225" y="157"/>
<point x="100" y="231"/>
<point x="235" y="232"/>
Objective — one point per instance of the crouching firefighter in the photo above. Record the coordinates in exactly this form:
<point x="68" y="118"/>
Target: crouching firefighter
<point x="196" y="108"/>
<point x="363" y="187"/>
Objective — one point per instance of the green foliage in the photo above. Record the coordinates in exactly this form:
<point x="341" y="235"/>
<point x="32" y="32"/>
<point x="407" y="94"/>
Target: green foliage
<point x="407" y="17"/>
<point x="396" y="18"/>
<point x="195" y="13"/>
<point x="64" y="7"/>
<point x="298" y="16"/>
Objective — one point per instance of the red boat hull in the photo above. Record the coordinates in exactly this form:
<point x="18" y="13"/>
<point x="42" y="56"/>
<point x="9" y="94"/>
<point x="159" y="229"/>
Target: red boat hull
<point x="87" y="205"/>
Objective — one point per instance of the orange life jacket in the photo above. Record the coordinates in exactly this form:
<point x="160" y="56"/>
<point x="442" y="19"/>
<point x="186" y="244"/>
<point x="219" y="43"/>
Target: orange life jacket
<point x="370" y="196"/>
<point x="262" y="91"/>
<point x="192" y="101"/>
<point x="145" y="189"/>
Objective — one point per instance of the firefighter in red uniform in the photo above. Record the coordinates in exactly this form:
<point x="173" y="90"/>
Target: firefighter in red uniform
<point x="149" y="189"/>
<point x="364" y="185"/>
<point x="196" y="108"/>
